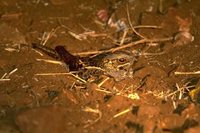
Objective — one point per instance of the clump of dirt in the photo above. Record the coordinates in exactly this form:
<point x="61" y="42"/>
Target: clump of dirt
<point x="138" y="66"/>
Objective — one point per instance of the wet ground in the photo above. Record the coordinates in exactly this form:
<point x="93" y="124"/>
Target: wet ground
<point x="155" y="98"/>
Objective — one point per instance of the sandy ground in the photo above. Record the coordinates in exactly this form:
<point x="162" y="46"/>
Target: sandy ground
<point x="154" y="99"/>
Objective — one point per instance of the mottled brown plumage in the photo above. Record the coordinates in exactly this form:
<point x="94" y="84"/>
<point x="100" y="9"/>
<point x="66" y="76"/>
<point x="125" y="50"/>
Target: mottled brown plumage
<point x="118" y="65"/>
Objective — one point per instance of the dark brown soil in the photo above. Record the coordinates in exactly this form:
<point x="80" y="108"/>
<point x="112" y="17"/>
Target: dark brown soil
<point x="149" y="101"/>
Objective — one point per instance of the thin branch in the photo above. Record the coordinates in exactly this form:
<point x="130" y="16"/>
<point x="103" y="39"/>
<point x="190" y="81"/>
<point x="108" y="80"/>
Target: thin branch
<point x="124" y="36"/>
<point x="129" y="21"/>
<point x="54" y="74"/>
<point x="50" y="61"/>
<point x="147" y="26"/>
<point x="4" y="79"/>
<point x="125" y="46"/>
<point x="187" y="73"/>
<point x="122" y="113"/>
<point x="96" y="111"/>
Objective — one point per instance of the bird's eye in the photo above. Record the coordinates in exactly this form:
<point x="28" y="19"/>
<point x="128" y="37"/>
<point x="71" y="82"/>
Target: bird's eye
<point x="121" y="60"/>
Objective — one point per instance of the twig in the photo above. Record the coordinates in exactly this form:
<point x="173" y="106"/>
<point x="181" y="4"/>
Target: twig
<point x="101" y="83"/>
<point x="13" y="71"/>
<point x="54" y="74"/>
<point x="77" y="77"/>
<point x="141" y="41"/>
<point x="123" y="37"/>
<point x="151" y="54"/>
<point x="76" y="36"/>
<point x="125" y="46"/>
<point x="133" y="96"/>
<point x="122" y="113"/>
<point x="4" y="75"/>
<point x="180" y="89"/>
<point x="104" y="91"/>
<point x="161" y="8"/>
<point x="4" y="79"/>
<point x="93" y="67"/>
<point x="187" y="73"/>
<point x="50" y="61"/>
<point x="38" y="52"/>
<point x="11" y="50"/>
<point x="147" y="26"/>
<point x="96" y="111"/>
<point x="47" y="35"/>
<point x="129" y="20"/>
<point x="51" y="74"/>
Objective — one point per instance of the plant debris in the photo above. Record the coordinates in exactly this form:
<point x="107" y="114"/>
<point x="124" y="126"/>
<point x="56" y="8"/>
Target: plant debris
<point x="99" y="66"/>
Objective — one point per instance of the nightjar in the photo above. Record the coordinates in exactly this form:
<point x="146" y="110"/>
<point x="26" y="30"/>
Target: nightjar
<point x="118" y="65"/>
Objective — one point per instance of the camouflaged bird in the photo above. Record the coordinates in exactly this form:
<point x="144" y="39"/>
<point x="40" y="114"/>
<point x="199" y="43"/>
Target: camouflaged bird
<point x="118" y="65"/>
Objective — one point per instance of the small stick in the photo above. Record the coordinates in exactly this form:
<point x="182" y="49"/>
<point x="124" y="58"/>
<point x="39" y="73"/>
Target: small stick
<point x="4" y="75"/>
<point x="38" y="52"/>
<point x="106" y="79"/>
<point x="45" y="37"/>
<point x="160" y="7"/>
<point x="50" y="74"/>
<point x="96" y="111"/>
<point x="50" y="61"/>
<point x="180" y="91"/>
<point x="77" y="77"/>
<point x="187" y="73"/>
<point x="152" y="54"/>
<point x="93" y="67"/>
<point x="125" y="46"/>
<point x="11" y="50"/>
<point x="104" y="91"/>
<point x="129" y="20"/>
<point x="54" y="74"/>
<point x="141" y="41"/>
<point x="13" y="71"/>
<point x="78" y="37"/>
<point x="124" y="36"/>
<point x="4" y="79"/>
<point x="147" y="26"/>
<point x="122" y="113"/>
<point x="129" y="96"/>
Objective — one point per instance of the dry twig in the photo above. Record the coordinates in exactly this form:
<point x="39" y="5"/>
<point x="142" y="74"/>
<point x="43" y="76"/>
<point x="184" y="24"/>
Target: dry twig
<point x="13" y="71"/>
<point x="133" y="96"/>
<point x="41" y="54"/>
<point x="54" y="74"/>
<point x="125" y="46"/>
<point x="12" y="50"/>
<point x="94" y="68"/>
<point x="129" y="20"/>
<point x="187" y="73"/>
<point x="4" y="75"/>
<point x="47" y="35"/>
<point x="101" y="83"/>
<point x="122" y="112"/>
<point x="147" y="26"/>
<point x="4" y="79"/>
<point x="96" y="111"/>
<point x="123" y="37"/>
<point x="181" y="90"/>
<point x="50" y="61"/>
